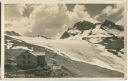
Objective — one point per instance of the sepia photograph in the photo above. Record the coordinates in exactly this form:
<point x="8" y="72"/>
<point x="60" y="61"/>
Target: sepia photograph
<point x="0" y="41"/>
<point x="64" y="41"/>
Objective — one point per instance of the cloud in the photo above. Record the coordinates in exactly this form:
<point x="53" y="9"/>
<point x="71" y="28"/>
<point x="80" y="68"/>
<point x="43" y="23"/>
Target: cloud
<point x="80" y="13"/>
<point x="20" y="26"/>
<point x="28" y="9"/>
<point x="14" y="20"/>
<point x="52" y="20"/>
<point x="111" y="13"/>
<point x="47" y="20"/>
<point x="13" y="11"/>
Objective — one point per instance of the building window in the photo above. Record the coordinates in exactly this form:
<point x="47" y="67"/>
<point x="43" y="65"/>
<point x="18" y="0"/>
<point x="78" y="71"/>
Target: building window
<point x="28" y="56"/>
<point x="23" y="56"/>
<point x="28" y="62"/>
<point x="23" y="62"/>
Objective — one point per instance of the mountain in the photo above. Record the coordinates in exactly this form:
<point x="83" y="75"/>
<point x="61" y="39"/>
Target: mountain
<point x="85" y="50"/>
<point x="12" y="33"/>
<point x="107" y="27"/>
<point x="111" y="25"/>
<point x="80" y="58"/>
<point x="107" y="34"/>
<point x="79" y="27"/>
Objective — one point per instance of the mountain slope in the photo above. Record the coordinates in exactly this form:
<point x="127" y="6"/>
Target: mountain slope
<point x="107" y="34"/>
<point x="79" y="57"/>
<point x="86" y="50"/>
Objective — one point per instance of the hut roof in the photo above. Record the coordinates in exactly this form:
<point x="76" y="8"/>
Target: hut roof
<point x="33" y="53"/>
<point x="37" y="53"/>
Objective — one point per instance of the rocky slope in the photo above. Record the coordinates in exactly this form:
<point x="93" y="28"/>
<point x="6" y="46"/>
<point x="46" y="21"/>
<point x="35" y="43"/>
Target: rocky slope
<point x="107" y="34"/>
<point x="12" y="33"/>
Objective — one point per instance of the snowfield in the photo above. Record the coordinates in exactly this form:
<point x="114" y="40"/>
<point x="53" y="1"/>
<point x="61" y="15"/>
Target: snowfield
<point x="79" y="50"/>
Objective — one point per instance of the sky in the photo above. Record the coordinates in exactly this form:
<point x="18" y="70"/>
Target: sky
<point x="51" y="20"/>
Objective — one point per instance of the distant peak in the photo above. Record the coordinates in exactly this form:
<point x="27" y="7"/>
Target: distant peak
<point x="84" y="25"/>
<point x="111" y="25"/>
<point x="12" y="33"/>
<point x="108" y="23"/>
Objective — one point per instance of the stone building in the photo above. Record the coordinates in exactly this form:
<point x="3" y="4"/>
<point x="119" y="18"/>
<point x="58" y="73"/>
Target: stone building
<point x="29" y="59"/>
